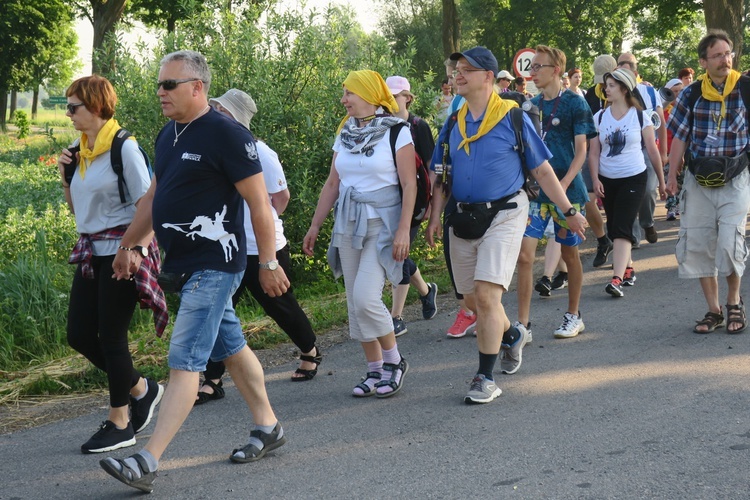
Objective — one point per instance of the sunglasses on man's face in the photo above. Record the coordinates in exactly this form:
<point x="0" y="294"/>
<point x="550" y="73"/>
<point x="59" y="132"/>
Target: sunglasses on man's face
<point x="172" y="84"/>
<point x="72" y="107"/>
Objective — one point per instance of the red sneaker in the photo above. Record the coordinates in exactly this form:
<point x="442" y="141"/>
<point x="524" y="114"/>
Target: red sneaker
<point x="462" y="325"/>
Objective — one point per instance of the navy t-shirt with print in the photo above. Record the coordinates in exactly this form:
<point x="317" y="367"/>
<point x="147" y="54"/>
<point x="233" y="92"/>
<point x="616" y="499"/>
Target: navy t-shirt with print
<point x="560" y="126"/>
<point x="197" y="212"/>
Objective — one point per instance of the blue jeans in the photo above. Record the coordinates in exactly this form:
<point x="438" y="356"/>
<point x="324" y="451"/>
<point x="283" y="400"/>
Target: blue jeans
<point x="206" y="325"/>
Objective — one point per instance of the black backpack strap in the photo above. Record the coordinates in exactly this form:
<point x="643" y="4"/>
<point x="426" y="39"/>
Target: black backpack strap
<point x="516" y="120"/>
<point x="640" y="122"/>
<point x="394" y="131"/>
<point x="115" y="156"/>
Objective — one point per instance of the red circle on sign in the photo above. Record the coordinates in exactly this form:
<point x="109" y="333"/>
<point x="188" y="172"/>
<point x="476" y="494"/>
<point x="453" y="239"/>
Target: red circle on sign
<point x="522" y="62"/>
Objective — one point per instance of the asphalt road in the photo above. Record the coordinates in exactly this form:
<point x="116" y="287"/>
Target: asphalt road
<point x="637" y="406"/>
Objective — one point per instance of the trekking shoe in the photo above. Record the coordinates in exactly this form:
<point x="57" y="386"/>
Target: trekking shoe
<point x="527" y="327"/>
<point x="629" y="278"/>
<point x="671" y="214"/>
<point x="651" y="235"/>
<point x="142" y="410"/>
<point x="251" y="453"/>
<point x="482" y="391"/>
<point x="571" y="326"/>
<point x="614" y="287"/>
<point x="602" y="252"/>
<point x="510" y="355"/>
<point x="543" y="286"/>
<point x="429" y="307"/>
<point x="560" y="280"/>
<point x="462" y="325"/>
<point x="109" y="438"/>
<point x="399" y="327"/>
<point x="142" y="479"/>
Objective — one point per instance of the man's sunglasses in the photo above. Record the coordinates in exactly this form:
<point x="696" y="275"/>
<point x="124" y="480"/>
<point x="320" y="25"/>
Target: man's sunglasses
<point x="172" y="84"/>
<point x="72" y="107"/>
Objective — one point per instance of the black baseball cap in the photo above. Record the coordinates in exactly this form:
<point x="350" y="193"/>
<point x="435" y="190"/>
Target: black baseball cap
<point x="479" y="57"/>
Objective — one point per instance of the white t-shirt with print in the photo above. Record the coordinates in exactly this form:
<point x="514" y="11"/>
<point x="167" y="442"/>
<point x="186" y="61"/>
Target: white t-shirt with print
<point x="620" y="141"/>
<point x="273" y="175"/>
<point x="370" y="173"/>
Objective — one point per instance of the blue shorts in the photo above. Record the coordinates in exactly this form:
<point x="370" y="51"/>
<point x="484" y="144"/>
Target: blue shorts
<point x="540" y="215"/>
<point x="206" y="325"/>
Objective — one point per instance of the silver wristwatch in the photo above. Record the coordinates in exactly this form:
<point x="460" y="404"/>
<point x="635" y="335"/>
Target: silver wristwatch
<point x="271" y="265"/>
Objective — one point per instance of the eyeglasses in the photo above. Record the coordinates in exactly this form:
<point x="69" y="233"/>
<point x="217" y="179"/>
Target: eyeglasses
<point x="462" y="72"/>
<point x="720" y="57"/>
<point x="536" y="67"/>
<point x="172" y="84"/>
<point x="72" y="107"/>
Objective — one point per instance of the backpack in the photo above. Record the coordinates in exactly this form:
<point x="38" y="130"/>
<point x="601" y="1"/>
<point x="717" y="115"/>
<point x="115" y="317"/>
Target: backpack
<point x="115" y="158"/>
<point x="424" y="187"/>
<point x="516" y="120"/>
<point x="640" y="122"/>
<point x="696" y="92"/>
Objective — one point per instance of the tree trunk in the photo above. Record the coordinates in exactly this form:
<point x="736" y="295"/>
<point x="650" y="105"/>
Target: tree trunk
<point x="13" y="102"/>
<point x="451" y="28"/>
<point x="171" y="22"/>
<point x="106" y="15"/>
<point x="727" y="15"/>
<point x="34" y="103"/>
<point x="3" y="107"/>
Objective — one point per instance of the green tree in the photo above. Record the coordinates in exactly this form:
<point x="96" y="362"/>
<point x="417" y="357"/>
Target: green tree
<point x="104" y="16"/>
<point x="24" y="28"/>
<point x="163" y="13"/>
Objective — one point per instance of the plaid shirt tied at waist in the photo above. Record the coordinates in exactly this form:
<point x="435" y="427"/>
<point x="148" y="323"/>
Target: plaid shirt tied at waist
<point x="150" y="294"/>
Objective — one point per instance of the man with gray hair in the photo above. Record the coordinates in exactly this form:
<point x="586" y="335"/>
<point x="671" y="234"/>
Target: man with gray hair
<point x="205" y="165"/>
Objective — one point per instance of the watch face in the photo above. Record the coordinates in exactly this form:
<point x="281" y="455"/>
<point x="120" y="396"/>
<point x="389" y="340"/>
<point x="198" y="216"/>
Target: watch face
<point x="571" y="212"/>
<point x="141" y="250"/>
<point x="273" y="265"/>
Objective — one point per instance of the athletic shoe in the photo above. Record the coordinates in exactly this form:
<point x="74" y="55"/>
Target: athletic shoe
<point x="602" y="252"/>
<point x="671" y="214"/>
<point x="399" y="327"/>
<point x="543" y="286"/>
<point x="571" y="326"/>
<point x="651" y="235"/>
<point x="511" y="355"/>
<point x="527" y="327"/>
<point x="462" y="325"/>
<point x="482" y="391"/>
<point x="142" y="410"/>
<point x="429" y="307"/>
<point x="251" y="453"/>
<point x="560" y="281"/>
<point x="628" y="278"/>
<point x="614" y="287"/>
<point x="109" y="438"/>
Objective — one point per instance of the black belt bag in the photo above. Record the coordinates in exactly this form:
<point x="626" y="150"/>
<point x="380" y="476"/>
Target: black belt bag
<point x="716" y="171"/>
<point x="471" y="220"/>
<point x="172" y="282"/>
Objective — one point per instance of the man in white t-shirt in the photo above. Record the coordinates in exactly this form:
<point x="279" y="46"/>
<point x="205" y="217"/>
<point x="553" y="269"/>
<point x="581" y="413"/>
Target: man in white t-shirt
<point x="651" y="102"/>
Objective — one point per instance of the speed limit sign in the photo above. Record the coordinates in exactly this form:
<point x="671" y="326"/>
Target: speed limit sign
<point x="522" y="62"/>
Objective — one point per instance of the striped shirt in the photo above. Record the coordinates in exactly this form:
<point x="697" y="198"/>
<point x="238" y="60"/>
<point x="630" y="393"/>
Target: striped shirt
<point x="731" y="130"/>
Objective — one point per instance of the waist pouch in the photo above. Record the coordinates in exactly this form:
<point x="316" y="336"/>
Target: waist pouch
<point x="471" y="220"/>
<point x="716" y="171"/>
<point x="172" y="282"/>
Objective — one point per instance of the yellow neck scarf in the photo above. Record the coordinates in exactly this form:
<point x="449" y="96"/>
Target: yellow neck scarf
<point x="496" y="110"/>
<point x="371" y="87"/>
<point x="710" y="93"/>
<point x="599" y="91"/>
<point x="102" y="144"/>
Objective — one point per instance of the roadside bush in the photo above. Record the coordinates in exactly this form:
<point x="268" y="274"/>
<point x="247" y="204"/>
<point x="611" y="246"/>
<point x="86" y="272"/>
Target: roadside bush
<point x="22" y="122"/>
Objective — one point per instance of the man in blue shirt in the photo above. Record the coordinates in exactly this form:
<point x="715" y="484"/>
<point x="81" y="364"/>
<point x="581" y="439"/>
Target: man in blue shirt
<point x="566" y="124"/>
<point x="206" y="166"/>
<point x="716" y="190"/>
<point x="486" y="178"/>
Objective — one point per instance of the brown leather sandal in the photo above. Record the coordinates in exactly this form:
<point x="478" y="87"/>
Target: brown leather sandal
<point x="736" y="314"/>
<point x="711" y="321"/>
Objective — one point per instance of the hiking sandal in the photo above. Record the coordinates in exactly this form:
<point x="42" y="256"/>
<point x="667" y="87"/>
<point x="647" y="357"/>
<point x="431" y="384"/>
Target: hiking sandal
<point x="204" y="397"/>
<point x="711" y="321"/>
<point x="390" y="382"/>
<point x="127" y="475"/>
<point x="308" y="374"/>
<point x="736" y="314"/>
<point x="366" y="390"/>
<point x="251" y="453"/>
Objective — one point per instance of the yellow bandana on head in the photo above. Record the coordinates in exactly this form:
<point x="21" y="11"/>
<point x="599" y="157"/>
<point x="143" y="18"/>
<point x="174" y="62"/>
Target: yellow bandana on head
<point x="371" y="87"/>
<point x="711" y="94"/>
<point x="102" y="144"/>
<point x="599" y="91"/>
<point x="496" y="110"/>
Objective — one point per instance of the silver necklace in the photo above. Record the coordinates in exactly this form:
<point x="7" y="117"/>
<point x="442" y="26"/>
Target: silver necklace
<point x="177" y="135"/>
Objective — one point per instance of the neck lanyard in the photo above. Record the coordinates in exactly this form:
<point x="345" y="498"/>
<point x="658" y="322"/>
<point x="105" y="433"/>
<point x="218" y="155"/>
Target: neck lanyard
<point x="551" y="118"/>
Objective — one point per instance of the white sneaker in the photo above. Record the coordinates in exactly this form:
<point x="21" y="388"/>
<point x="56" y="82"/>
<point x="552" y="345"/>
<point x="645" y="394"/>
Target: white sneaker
<point x="571" y="326"/>
<point x="521" y="326"/>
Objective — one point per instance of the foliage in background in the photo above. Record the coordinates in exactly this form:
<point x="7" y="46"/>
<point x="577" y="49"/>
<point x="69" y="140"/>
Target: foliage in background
<point x="22" y="123"/>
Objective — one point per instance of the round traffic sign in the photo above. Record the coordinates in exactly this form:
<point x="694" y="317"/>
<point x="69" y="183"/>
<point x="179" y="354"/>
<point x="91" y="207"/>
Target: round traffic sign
<point x="522" y="62"/>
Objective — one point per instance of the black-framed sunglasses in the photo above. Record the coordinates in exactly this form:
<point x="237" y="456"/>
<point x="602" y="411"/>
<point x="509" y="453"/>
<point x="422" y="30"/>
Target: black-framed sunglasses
<point x="172" y="84"/>
<point x="72" y="107"/>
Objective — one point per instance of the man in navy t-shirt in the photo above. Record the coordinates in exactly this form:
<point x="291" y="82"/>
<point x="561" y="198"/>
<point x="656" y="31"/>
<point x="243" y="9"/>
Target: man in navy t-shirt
<point x="205" y="165"/>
